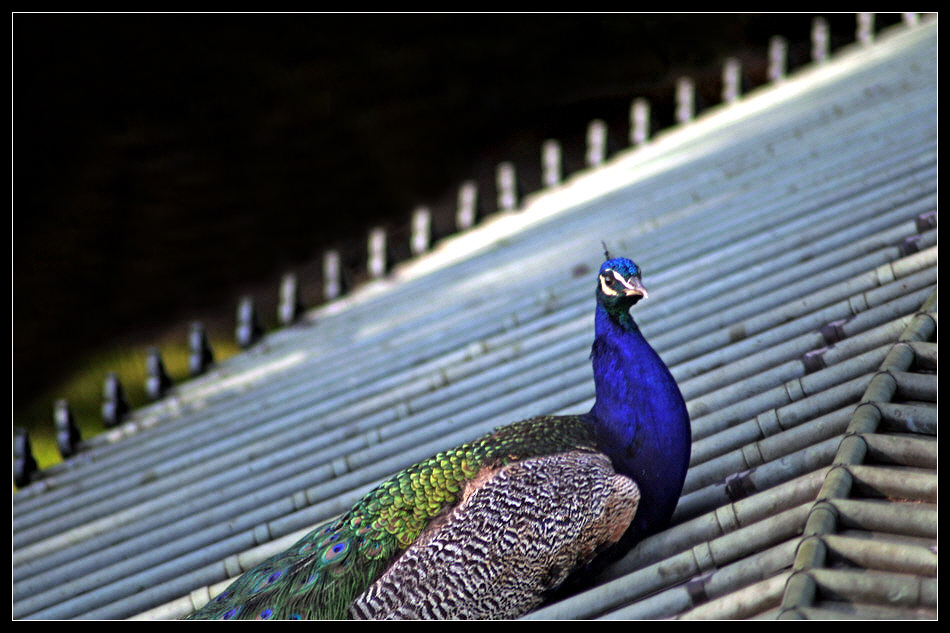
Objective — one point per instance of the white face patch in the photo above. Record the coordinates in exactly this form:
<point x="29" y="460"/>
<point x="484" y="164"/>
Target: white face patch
<point x="625" y="286"/>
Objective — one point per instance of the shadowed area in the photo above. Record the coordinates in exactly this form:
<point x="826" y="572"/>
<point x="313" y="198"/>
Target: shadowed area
<point x="164" y="165"/>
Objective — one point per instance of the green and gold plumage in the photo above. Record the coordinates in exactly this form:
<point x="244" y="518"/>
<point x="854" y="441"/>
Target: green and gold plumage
<point x="325" y="571"/>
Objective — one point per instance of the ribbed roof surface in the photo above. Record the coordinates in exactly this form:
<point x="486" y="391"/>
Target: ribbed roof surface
<point x="789" y="245"/>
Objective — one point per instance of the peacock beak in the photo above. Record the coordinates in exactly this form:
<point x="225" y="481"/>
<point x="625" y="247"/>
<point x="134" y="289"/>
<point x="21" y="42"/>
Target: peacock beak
<point x="633" y="287"/>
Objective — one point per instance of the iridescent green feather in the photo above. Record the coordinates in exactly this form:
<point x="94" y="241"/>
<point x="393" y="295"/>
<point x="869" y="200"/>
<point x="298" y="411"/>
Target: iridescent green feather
<point x="325" y="571"/>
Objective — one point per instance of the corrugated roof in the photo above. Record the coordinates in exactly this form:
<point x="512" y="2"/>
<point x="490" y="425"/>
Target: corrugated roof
<point x="789" y="244"/>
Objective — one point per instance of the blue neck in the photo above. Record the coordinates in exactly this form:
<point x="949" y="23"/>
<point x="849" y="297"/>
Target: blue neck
<point x="639" y="417"/>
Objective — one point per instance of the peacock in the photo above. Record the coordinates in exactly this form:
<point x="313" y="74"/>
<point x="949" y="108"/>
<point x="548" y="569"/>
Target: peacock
<point x="493" y="528"/>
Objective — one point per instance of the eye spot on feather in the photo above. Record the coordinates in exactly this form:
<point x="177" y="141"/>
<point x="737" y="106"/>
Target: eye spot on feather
<point x="265" y="614"/>
<point x="335" y="552"/>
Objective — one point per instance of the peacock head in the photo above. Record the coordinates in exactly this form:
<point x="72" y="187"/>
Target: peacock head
<point x="619" y="286"/>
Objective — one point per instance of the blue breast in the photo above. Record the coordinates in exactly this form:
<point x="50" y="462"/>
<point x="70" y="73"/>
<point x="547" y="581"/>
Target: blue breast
<point x="640" y="419"/>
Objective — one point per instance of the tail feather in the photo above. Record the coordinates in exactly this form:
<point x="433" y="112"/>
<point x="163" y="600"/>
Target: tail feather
<point x="316" y="578"/>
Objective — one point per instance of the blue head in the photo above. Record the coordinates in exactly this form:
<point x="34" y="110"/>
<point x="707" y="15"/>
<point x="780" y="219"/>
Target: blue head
<point x="619" y="286"/>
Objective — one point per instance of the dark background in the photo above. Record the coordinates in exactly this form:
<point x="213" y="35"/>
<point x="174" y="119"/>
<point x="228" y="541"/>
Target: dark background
<point x="164" y="165"/>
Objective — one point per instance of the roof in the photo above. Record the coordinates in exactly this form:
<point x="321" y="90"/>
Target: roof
<point x="789" y="244"/>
